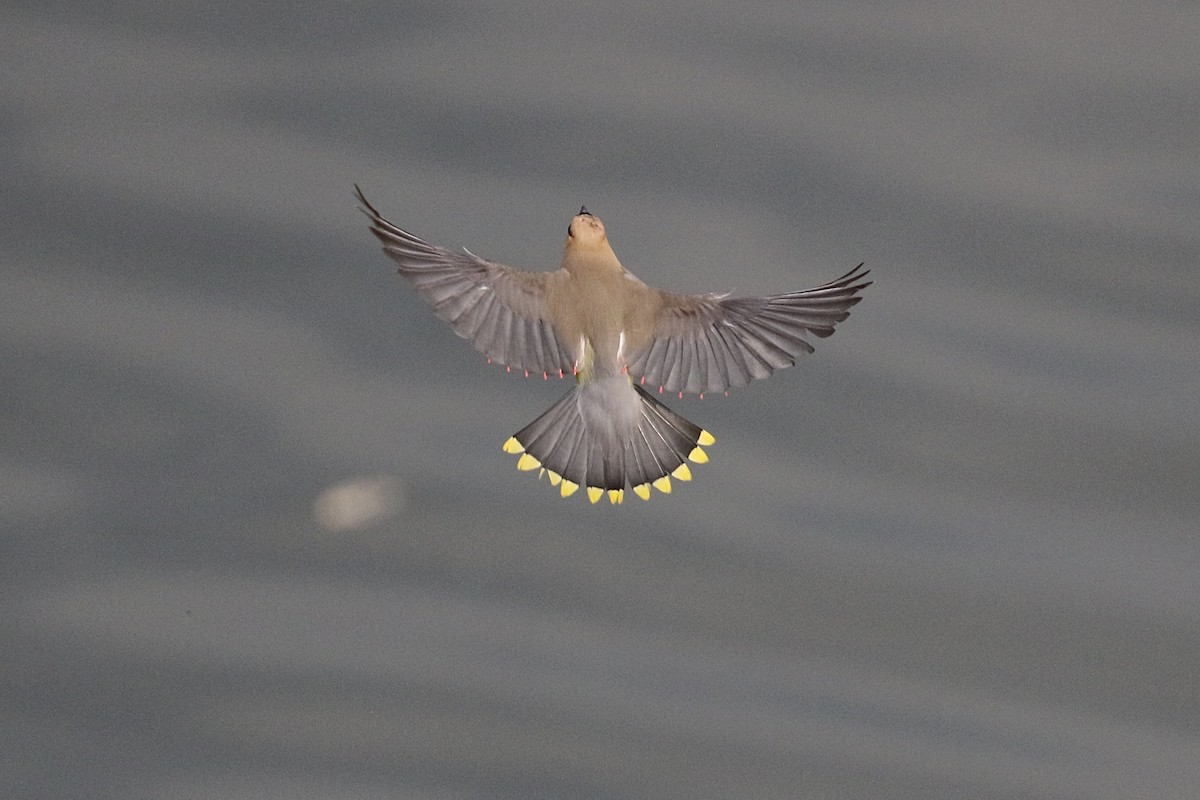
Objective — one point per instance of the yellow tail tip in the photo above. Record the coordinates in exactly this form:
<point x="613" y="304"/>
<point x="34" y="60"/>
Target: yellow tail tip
<point x="512" y="446"/>
<point x="616" y="496"/>
<point x="698" y="455"/>
<point x="663" y="484"/>
<point x="706" y="439"/>
<point x="595" y="493"/>
<point x="554" y="477"/>
<point x="568" y="488"/>
<point x="527" y="462"/>
<point x="682" y="472"/>
<point x="642" y="490"/>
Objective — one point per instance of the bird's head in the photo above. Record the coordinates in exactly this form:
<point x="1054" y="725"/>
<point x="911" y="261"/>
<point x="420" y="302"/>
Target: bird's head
<point x="585" y="232"/>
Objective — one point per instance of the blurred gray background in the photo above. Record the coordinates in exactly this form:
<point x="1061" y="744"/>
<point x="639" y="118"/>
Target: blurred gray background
<point x="260" y="540"/>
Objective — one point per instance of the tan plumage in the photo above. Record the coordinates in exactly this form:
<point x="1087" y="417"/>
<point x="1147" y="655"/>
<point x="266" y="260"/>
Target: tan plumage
<point x="594" y="319"/>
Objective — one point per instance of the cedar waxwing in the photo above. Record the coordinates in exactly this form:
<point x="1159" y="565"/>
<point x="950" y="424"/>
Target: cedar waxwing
<point x="594" y="320"/>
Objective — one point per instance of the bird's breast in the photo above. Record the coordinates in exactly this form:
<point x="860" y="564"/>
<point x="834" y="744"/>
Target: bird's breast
<point x="590" y="315"/>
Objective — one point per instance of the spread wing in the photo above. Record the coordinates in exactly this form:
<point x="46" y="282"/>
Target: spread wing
<point x="708" y="343"/>
<point x="500" y="309"/>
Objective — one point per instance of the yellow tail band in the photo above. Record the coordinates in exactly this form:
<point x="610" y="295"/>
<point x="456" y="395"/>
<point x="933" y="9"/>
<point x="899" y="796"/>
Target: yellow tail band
<point x="527" y="462"/>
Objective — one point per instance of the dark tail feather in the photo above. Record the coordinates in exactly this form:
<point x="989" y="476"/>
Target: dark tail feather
<point x="606" y="434"/>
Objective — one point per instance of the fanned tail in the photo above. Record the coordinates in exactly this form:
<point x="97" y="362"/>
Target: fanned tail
<point x="605" y="434"/>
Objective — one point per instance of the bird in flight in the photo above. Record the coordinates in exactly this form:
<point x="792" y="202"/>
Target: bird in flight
<point x="622" y="341"/>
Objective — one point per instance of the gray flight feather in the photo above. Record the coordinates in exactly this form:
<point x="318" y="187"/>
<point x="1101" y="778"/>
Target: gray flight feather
<point x="501" y="310"/>
<point x="709" y="343"/>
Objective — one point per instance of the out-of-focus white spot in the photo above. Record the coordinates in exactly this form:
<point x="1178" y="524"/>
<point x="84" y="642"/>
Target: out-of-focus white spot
<point x="359" y="502"/>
